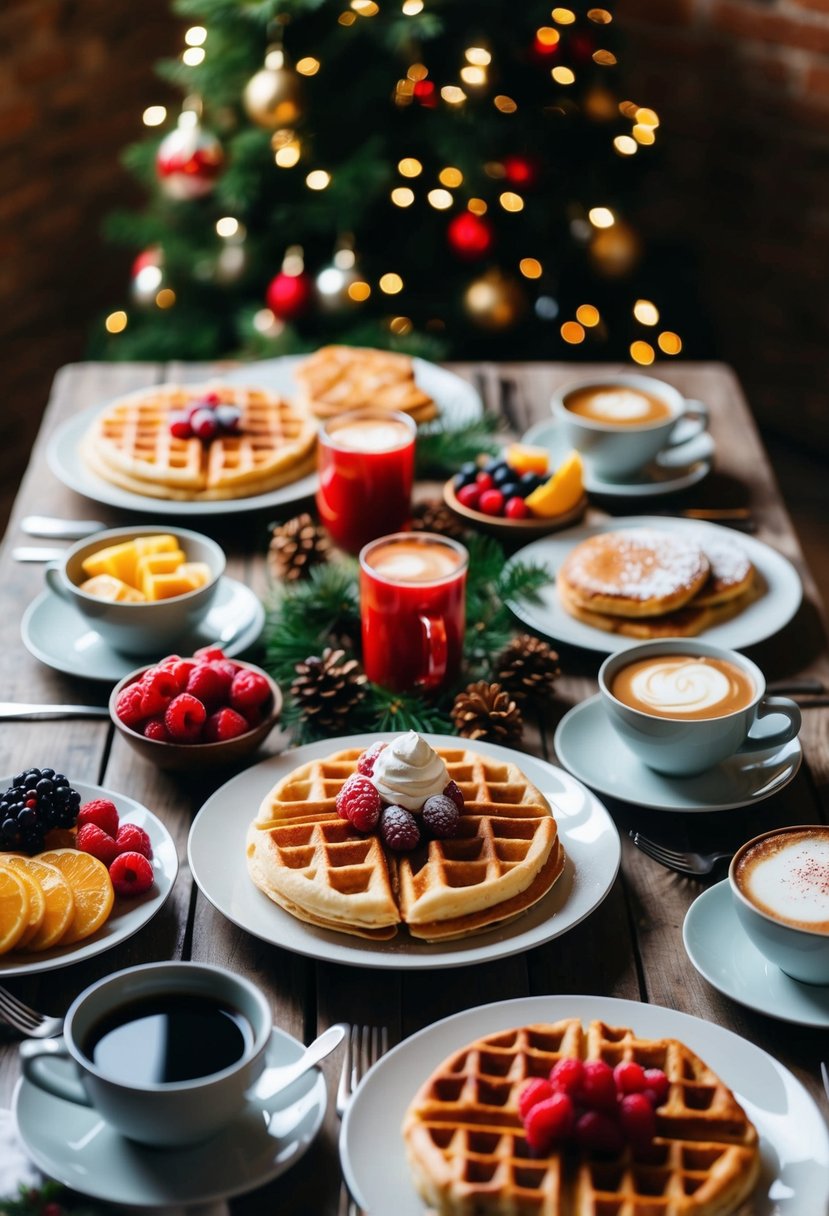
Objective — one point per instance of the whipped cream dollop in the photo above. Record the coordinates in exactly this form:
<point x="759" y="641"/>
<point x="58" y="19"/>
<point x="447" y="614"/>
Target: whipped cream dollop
<point x="409" y="771"/>
<point x="681" y="686"/>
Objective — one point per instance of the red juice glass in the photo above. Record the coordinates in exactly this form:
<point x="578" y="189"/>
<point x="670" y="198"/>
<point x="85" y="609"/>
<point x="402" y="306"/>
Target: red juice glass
<point x="365" y="460"/>
<point x="413" y="610"/>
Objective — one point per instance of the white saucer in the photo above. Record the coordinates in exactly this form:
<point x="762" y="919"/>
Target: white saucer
<point x="73" y="1145"/>
<point x="61" y="638"/>
<point x="673" y="469"/>
<point x="721" y="952"/>
<point x="588" y="746"/>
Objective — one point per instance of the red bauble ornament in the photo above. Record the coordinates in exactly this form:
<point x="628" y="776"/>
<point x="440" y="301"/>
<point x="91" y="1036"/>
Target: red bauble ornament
<point x="188" y="160"/>
<point x="425" y="91"/>
<point x="289" y="295"/>
<point x="543" y="50"/>
<point x="522" y="170"/>
<point x="470" y="236"/>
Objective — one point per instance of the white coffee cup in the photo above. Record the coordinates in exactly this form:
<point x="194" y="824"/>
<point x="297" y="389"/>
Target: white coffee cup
<point x="683" y="746"/>
<point x="618" y="449"/>
<point x="168" y="1113"/>
<point x="783" y="911"/>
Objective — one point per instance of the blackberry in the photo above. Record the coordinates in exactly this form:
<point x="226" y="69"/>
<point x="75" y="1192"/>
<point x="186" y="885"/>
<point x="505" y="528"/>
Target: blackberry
<point x="37" y="800"/>
<point x="440" y="815"/>
<point x="399" y="829"/>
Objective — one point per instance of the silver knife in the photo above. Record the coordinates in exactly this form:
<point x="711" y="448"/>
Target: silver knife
<point x="275" y="1079"/>
<point x="37" y="553"/>
<point x="21" y="709"/>
<point x="59" y="529"/>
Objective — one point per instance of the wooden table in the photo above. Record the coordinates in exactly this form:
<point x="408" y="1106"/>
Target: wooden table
<point x="629" y="947"/>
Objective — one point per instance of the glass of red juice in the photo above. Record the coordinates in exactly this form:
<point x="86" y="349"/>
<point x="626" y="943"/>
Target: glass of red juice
<point x="365" y="460"/>
<point x="413" y="610"/>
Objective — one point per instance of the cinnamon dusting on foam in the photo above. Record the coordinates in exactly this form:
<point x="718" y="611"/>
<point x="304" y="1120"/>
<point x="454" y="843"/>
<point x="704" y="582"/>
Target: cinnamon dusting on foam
<point x="786" y="876"/>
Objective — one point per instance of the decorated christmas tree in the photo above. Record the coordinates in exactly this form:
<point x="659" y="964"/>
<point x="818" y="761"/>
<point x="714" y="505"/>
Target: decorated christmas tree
<point x="450" y="177"/>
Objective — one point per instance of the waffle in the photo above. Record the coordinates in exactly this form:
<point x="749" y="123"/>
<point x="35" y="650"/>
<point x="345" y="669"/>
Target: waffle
<point x="505" y="857"/>
<point x="129" y="444"/>
<point x="339" y="378"/>
<point x="466" y="1148"/>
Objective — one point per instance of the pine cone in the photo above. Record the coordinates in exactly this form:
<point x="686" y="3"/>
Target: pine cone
<point x="486" y="711"/>
<point x="327" y="690"/>
<point x="528" y="669"/>
<point x="295" y="547"/>
<point x="432" y="515"/>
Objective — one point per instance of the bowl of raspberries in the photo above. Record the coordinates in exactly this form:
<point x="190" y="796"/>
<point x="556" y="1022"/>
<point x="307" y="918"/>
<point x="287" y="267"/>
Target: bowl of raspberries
<point x="185" y="713"/>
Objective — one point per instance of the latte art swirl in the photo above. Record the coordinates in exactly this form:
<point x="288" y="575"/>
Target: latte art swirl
<point x="687" y="686"/>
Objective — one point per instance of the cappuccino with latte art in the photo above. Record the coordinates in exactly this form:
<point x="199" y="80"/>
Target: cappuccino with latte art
<point x="684" y="686"/>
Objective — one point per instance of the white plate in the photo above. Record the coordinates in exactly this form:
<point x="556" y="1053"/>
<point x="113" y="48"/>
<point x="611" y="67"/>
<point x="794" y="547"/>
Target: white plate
<point x="588" y="746"/>
<point x="128" y="915"/>
<point x="73" y="1144"/>
<point x="723" y="953"/>
<point x="61" y="638"/>
<point x="216" y="851"/>
<point x="673" y="470"/>
<point x="794" y="1142"/>
<point x="762" y="618"/>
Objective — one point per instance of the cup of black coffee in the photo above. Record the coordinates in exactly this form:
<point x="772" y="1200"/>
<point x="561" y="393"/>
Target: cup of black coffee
<point x="165" y="1052"/>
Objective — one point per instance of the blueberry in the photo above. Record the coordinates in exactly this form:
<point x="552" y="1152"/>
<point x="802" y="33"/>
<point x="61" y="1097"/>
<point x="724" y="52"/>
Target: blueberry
<point x="468" y="469"/>
<point x="509" y="490"/>
<point x="464" y="479"/>
<point x="502" y="474"/>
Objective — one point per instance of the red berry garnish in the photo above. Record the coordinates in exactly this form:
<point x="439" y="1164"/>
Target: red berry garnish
<point x="549" y="1121"/>
<point x="469" y="496"/>
<point x="211" y="400"/>
<point x="598" y="1132"/>
<point x="533" y="1091"/>
<point x="249" y="690"/>
<point x="657" y="1083"/>
<point x="491" y="502"/>
<point x="359" y="802"/>
<point x="180" y="425"/>
<point x="133" y="839"/>
<point x="131" y="874"/>
<point x="206" y="654"/>
<point x="629" y="1077"/>
<point x="102" y="813"/>
<point x="203" y="424"/>
<point x="598" y="1088"/>
<point x="440" y="815"/>
<point x="209" y="685"/>
<point x="638" y="1119"/>
<point x="184" y="718"/>
<point x="399" y="830"/>
<point x="179" y="669"/>
<point x="154" y="728"/>
<point x="94" y="840"/>
<point x="516" y="508"/>
<point x="365" y="762"/>
<point x="483" y="481"/>
<point x="567" y="1075"/>
<point x="159" y="686"/>
<point x="224" y="724"/>
<point x="454" y="791"/>
<point x="129" y="705"/>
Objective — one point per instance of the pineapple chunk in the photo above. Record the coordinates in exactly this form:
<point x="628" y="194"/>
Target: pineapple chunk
<point x="162" y="542"/>
<point x="157" y="563"/>
<point x="107" y="587"/>
<point x="117" y="560"/>
<point x="165" y="586"/>
<point x="199" y="572"/>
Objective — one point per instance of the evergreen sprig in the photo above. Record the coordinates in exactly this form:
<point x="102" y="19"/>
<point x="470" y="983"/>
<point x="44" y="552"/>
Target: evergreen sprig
<point x="441" y="448"/>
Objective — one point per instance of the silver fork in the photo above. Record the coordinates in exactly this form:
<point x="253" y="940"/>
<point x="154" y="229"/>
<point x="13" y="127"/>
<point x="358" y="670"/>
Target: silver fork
<point x="27" y="1020"/>
<point x="824" y="1072"/>
<point x="693" y="865"/>
<point x="364" y="1047"/>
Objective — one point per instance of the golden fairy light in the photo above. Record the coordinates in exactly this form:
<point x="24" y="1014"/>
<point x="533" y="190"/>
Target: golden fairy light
<point x="605" y="59"/>
<point x="401" y="326"/>
<point x="625" y="145"/>
<point x="505" y="104"/>
<point x="477" y="206"/>
<point x="478" y="56"/>
<point x="391" y="284"/>
<point x="412" y="7"/>
<point x="358" y="291"/>
<point x="472" y="75"/>
<point x="511" y="201"/>
<point x="646" y="117"/>
<point x="669" y="342"/>
<point x="531" y="268"/>
<point x="600" y="16"/>
<point x="166" y="298"/>
<point x="440" y="199"/>
<point x="588" y="315"/>
<point x="409" y="166"/>
<point x="418" y="71"/>
<point x="563" y="75"/>
<point x="547" y="36"/>
<point x="601" y="217"/>
<point x="402" y="196"/>
<point x="453" y="95"/>
<point x="450" y="177"/>
<point x="154" y="116"/>
<point x="628" y="109"/>
<point x="643" y="134"/>
<point x="318" y="179"/>
<point x="193" y="56"/>
<point x="563" y="16"/>
<point x="646" y="312"/>
<point x="293" y="262"/>
<point x="196" y="35"/>
<point x="288" y="155"/>
<point x="263" y="320"/>
<point x="227" y="226"/>
<point x="344" y="259"/>
<point x="308" y="66"/>
<point x="116" y="322"/>
<point x="572" y="332"/>
<point x="347" y="18"/>
<point x="642" y="352"/>
<point x="365" y="8"/>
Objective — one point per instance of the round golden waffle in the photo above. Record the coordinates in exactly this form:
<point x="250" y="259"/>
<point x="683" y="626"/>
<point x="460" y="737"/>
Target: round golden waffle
<point x="129" y="444"/>
<point x="505" y="857"/>
<point x="466" y="1147"/>
<point x="336" y="379"/>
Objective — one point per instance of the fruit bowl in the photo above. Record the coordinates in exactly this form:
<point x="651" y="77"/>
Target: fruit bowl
<point x="182" y="756"/>
<point x="512" y="531"/>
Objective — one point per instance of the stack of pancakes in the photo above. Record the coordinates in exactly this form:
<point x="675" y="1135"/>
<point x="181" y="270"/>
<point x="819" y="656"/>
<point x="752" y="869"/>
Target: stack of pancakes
<point x="643" y="583"/>
<point x="336" y="379"/>
<point x="130" y="445"/>
<point x="466" y="1147"/>
<point x="504" y="858"/>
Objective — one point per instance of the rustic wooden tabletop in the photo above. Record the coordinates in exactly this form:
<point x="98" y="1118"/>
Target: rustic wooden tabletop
<point x="629" y="947"/>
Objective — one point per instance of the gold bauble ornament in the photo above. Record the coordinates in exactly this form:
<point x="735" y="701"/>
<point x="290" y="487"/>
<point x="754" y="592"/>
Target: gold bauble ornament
<point x="273" y="96"/>
<point x="495" y="301"/>
<point x="615" y="251"/>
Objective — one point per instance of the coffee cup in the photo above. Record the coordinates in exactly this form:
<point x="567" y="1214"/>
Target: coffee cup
<point x="165" y="1052"/>
<point x="144" y="629"/>
<point x="781" y="896"/>
<point x="620" y="423"/>
<point x="682" y="706"/>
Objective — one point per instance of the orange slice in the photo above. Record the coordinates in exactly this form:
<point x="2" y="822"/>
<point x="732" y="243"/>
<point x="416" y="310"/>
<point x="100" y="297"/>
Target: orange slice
<point x="60" y="902"/>
<point x="562" y="492"/>
<point x="526" y="459"/>
<point x="14" y="909"/>
<point x="37" y="905"/>
<point x="91" y="887"/>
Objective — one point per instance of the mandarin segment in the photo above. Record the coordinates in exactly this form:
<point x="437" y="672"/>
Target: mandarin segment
<point x="14" y="909"/>
<point x="60" y="902"/>
<point x="91" y="888"/>
<point x="37" y="905"/>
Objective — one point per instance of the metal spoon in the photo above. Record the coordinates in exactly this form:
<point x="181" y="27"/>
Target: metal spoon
<point x="275" y="1079"/>
<point x="59" y="529"/>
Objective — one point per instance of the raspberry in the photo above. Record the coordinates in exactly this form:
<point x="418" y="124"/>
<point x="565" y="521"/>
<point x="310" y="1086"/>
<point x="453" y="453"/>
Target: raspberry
<point x="469" y="496"/>
<point x="491" y="502"/>
<point x="184" y="718"/>
<point x="158" y="686"/>
<point x="249" y="690"/>
<point x="224" y="724"/>
<point x="598" y="1132"/>
<point x="516" y="508"/>
<point x="203" y="424"/>
<point x="102" y="813"/>
<point x="207" y="684"/>
<point x="94" y="840"/>
<point x="629" y="1077"/>
<point x="483" y="481"/>
<point x="226" y="669"/>
<point x="133" y="839"/>
<point x="206" y="654"/>
<point x="359" y="803"/>
<point x="180" y="425"/>
<point x="598" y="1088"/>
<point x="549" y="1121"/>
<point x="128" y="705"/>
<point x="211" y="400"/>
<point x="533" y="1091"/>
<point x="399" y="829"/>
<point x="131" y="874"/>
<point x="638" y="1119"/>
<point x="441" y="815"/>
<point x="179" y="669"/>
<point x="454" y="791"/>
<point x="154" y="728"/>
<point x="567" y="1075"/>
<point x="658" y="1084"/>
<point x="365" y="763"/>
